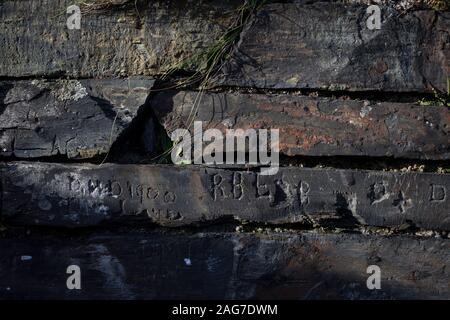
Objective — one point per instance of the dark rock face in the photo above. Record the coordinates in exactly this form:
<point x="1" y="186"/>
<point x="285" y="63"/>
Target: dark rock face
<point x="79" y="119"/>
<point x="87" y="195"/>
<point x="223" y="266"/>
<point x="110" y="219"/>
<point x="318" y="126"/>
<point x="328" y="45"/>
<point x="136" y="40"/>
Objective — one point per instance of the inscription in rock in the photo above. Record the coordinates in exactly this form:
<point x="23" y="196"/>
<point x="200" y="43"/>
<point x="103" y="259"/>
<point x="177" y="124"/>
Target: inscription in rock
<point x="437" y="193"/>
<point x="303" y="191"/>
<point x="159" y="214"/>
<point x="401" y="202"/>
<point x="378" y="192"/>
<point x="113" y="188"/>
<point x="79" y="195"/>
<point x="217" y="189"/>
<point x="238" y="191"/>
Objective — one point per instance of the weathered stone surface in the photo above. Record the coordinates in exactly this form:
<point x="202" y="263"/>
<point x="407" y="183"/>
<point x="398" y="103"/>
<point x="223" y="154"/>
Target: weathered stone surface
<point x="328" y="45"/>
<point x="317" y="126"/>
<point x="140" y="38"/>
<point x="223" y="266"/>
<point x="79" y="119"/>
<point x="401" y="5"/>
<point x="86" y="195"/>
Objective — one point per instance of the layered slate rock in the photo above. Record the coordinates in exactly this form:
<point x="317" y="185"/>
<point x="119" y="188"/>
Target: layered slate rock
<point x="79" y="119"/>
<point x="87" y="195"/>
<point x="399" y="5"/>
<point x="317" y="126"/>
<point x="329" y="46"/>
<point x="154" y="265"/>
<point x="127" y="38"/>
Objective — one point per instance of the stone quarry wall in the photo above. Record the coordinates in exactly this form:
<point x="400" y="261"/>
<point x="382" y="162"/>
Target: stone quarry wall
<point x="364" y="122"/>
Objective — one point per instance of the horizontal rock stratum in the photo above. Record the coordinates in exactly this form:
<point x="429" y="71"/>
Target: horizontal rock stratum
<point x="141" y="38"/>
<point x="153" y="265"/>
<point x="288" y="45"/>
<point x="87" y="195"/>
<point x="317" y="126"/>
<point x="76" y="118"/>
<point x="328" y="45"/>
<point x="340" y="94"/>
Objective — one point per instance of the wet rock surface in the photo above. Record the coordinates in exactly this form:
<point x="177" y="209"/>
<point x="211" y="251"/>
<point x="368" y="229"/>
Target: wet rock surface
<point x="155" y="265"/>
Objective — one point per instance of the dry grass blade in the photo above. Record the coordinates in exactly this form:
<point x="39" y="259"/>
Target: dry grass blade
<point x="207" y="64"/>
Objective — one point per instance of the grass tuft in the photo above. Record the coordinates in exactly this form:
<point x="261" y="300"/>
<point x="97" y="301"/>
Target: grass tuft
<point x="206" y="64"/>
<point x="439" y="98"/>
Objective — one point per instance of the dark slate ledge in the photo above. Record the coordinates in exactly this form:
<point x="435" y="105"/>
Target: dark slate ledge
<point x="327" y="45"/>
<point x="154" y="265"/>
<point x="76" y="118"/>
<point x="89" y="195"/>
<point x="317" y="126"/>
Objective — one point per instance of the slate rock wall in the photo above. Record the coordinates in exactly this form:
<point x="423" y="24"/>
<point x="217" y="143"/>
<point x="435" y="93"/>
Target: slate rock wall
<point x="364" y="144"/>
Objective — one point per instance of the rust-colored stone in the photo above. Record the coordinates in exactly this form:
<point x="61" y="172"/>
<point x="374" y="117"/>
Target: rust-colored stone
<point x="318" y="126"/>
